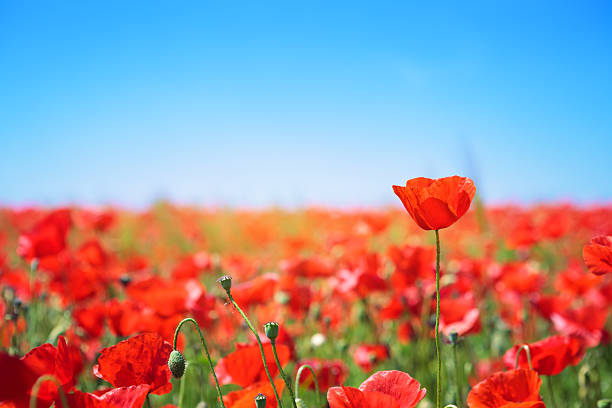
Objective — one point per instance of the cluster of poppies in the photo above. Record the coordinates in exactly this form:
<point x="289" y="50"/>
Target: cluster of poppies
<point x="449" y="303"/>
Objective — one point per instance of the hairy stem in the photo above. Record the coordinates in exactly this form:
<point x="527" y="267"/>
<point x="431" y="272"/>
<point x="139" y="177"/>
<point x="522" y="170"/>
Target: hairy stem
<point x="212" y="368"/>
<point x="263" y="356"/>
<point x="316" y="382"/>
<point x="438" y="373"/>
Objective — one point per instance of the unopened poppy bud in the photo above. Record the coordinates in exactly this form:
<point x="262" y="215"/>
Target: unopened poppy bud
<point x="226" y="282"/>
<point x="176" y="363"/>
<point x="604" y="403"/>
<point x="34" y="265"/>
<point x="271" y="329"/>
<point x="300" y="403"/>
<point x="453" y="337"/>
<point x="260" y="401"/>
<point x="202" y="404"/>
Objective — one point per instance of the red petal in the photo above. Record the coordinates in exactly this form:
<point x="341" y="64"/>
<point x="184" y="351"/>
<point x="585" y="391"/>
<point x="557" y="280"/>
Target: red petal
<point x="401" y="386"/>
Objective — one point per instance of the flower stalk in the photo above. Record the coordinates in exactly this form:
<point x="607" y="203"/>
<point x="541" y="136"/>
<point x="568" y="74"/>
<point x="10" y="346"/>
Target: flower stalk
<point x="316" y="382"/>
<point x="212" y="368"/>
<point x="226" y="283"/>
<point x="438" y="372"/>
<point x="39" y="382"/>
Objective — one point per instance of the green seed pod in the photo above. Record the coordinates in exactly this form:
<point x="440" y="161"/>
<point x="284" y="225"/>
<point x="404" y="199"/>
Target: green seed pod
<point x="260" y="401"/>
<point x="226" y="282"/>
<point x="271" y="329"/>
<point x="177" y="364"/>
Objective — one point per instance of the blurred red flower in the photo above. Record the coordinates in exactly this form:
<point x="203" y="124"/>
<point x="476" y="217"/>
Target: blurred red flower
<point x="389" y="389"/>
<point x="141" y="359"/>
<point x="367" y="356"/>
<point x="439" y="203"/>
<point x="124" y="397"/>
<point x="515" y="388"/>
<point x="329" y="373"/>
<point x="598" y="255"/>
<point x="244" y="366"/>
<point x="459" y="315"/>
<point x="549" y="356"/>
<point x="47" y="238"/>
<point x="245" y="397"/>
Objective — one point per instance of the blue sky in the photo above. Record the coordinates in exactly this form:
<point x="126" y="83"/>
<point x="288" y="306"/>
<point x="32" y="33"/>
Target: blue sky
<point x="287" y="103"/>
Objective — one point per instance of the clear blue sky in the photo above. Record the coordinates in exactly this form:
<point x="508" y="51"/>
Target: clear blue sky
<point x="275" y="102"/>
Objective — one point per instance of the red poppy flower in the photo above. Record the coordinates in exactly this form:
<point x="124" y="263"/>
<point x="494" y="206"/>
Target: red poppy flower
<point x="439" y="203"/>
<point x="411" y="263"/>
<point x="587" y="323"/>
<point x="245" y="397"/>
<point x="245" y="366"/>
<point x="549" y="356"/>
<point x="459" y="315"/>
<point x="47" y="238"/>
<point x="307" y="267"/>
<point x="598" y="255"/>
<point x="92" y="254"/>
<point x="141" y="359"/>
<point x="124" y="397"/>
<point x="329" y="373"/>
<point x="16" y="378"/>
<point x="510" y="389"/>
<point x="192" y="266"/>
<point x="367" y="356"/>
<point x="256" y="291"/>
<point x="91" y="318"/>
<point x="389" y="389"/>
<point x="59" y="362"/>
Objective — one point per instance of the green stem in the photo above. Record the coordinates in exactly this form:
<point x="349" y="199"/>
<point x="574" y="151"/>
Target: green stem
<point x="316" y="382"/>
<point x="38" y="384"/>
<point x="263" y="356"/>
<point x="518" y="354"/>
<point x="438" y="373"/>
<point x="212" y="368"/>
<point x="282" y="373"/>
<point x="148" y="401"/>
<point x="458" y="377"/>
<point x="182" y="389"/>
<point x="549" y="384"/>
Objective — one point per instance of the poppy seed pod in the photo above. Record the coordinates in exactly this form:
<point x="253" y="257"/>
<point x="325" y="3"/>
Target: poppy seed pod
<point x="226" y="282"/>
<point x="271" y="329"/>
<point x="176" y="363"/>
<point x="260" y="401"/>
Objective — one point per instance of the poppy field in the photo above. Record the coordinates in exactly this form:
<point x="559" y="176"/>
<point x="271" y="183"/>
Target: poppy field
<point x="440" y="301"/>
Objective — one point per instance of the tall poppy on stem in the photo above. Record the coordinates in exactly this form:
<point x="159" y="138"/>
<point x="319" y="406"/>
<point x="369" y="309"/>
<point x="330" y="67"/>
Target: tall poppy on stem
<point x="435" y="204"/>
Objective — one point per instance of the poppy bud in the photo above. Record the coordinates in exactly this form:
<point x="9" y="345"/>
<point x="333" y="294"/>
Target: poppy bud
<point x="176" y="363"/>
<point x="271" y="329"/>
<point x="604" y="403"/>
<point x="300" y="403"/>
<point x="226" y="282"/>
<point x="453" y="337"/>
<point x="34" y="265"/>
<point x="125" y="280"/>
<point x="260" y="401"/>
